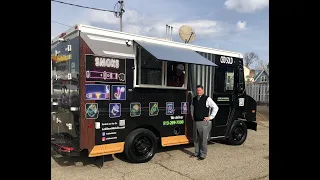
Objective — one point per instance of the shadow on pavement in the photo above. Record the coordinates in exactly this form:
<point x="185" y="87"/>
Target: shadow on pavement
<point x="85" y="160"/>
<point x="183" y="148"/>
<point x="74" y="160"/>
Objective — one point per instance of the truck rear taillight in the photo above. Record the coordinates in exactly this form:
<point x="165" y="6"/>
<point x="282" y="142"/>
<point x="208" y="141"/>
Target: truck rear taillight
<point x="66" y="149"/>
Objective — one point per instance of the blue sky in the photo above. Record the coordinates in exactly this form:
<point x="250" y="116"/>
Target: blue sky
<point x="235" y="25"/>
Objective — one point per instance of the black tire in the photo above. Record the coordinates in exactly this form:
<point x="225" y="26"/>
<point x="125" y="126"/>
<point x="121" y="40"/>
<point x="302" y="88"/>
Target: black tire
<point x="238" y="133"/>
<point x="140" y="145"/>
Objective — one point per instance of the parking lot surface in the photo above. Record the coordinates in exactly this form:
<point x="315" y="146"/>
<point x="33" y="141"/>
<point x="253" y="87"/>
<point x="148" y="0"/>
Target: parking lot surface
<point x="249" y="161"/>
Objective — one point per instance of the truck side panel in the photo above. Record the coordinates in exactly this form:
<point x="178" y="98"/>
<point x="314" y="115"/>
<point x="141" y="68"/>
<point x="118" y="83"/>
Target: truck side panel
<point x="110" y="131"/>
<point x="87" y="126"/>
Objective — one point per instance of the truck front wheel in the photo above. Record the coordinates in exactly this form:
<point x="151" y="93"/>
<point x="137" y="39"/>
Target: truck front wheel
<point x="238" y="133"/>
<point x="140" y="145"/>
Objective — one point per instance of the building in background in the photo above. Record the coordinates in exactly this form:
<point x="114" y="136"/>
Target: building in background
<point x="247" y="76"/>
<point x="260" y="76"/>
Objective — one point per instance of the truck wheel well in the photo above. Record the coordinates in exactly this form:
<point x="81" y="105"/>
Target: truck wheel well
<point x="152" y="129"/>
<point x="250" y="125"/>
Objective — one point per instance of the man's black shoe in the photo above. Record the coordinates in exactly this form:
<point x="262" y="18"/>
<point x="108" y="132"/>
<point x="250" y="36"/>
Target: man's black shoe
<point x="193" y="156"/>
<point x="201" y="158"/>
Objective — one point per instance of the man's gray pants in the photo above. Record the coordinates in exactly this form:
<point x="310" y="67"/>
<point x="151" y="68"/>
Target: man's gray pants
<point x="201" y="131"/>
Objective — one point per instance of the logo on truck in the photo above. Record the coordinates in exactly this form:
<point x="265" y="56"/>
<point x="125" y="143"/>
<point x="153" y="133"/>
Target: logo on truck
<point x="107" y="62"/>
<point x="105" y="69"/>
<point x="226" y="60"/>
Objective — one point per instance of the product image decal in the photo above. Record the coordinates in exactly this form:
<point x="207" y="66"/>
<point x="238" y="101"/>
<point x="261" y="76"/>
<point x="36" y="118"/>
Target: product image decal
<point x="92" y="111"/>
<point x="105" y="69"/>
<point x="184" y="108"/>
<point x="135" y="109"/>
<point x="169" y="108"/>
<point x="97" y="92"/>
<point x="118" y="92"/>
<point x="153" y="109"/>
<point x="114" y="110"/>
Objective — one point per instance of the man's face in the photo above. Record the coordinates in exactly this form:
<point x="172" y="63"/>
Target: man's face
<point x="178" y="72"/>
<point x="199" y="92"/>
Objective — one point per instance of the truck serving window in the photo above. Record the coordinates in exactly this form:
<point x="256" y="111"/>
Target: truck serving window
<point x="151" y="69"/>
<point x="175" y="74"/>
<point x="224" y="79"/>
<point x="152" y="72"/>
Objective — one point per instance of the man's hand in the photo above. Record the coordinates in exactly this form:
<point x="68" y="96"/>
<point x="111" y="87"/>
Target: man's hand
<point x="207" y="119"/>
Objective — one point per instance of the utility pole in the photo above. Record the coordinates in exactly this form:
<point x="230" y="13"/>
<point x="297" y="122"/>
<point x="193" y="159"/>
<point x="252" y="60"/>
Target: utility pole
<point x="121" y="13"/>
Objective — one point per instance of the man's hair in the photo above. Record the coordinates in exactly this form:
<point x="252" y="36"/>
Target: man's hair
<point x="199" y="86"/>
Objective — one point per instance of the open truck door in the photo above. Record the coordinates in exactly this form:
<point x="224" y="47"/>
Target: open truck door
<point x="65" y="97"/>
<point x="224" y="94"/>
<point x="229" y="94"/>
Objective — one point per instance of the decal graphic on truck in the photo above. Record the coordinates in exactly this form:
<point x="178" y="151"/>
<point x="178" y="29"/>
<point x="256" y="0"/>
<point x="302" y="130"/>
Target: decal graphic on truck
<point x="223" y="99"/>
<point x="105" y="69"/>
<point x="118" y="92"/>
<point x="184" y="108"/>
<point x="169" y="108"/>
<point x="97" y="92"/>
<point x="135" y="109"/>
<point x="92" y="111"/>
<point x="114" y="110"/>
<point x="153" y="109"/>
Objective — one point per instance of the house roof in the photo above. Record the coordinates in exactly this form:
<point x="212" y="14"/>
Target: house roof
<point x="257" y="73"/>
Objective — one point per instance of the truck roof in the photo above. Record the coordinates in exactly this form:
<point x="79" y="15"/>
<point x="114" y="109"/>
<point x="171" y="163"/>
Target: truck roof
<point x="127" y="36"/>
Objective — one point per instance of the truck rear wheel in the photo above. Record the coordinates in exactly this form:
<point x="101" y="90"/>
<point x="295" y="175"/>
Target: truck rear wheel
<point x="238" y="133"/>
<point x="140" y="146"/>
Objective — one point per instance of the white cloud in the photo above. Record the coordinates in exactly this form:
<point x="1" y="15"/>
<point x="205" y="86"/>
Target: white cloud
<point x="246" y="6"/>
<point x="241" y="25"/>
<point x="138" y="23"/>
<point x="102" y="17"/>
<point x="202" y="27"/>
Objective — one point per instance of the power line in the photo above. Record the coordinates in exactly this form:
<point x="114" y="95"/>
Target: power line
<point x="60" y="23"/>
<point x="84" y="6"/>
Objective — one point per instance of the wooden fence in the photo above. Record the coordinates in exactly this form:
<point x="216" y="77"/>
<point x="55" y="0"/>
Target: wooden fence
<point x="259" y="92"/>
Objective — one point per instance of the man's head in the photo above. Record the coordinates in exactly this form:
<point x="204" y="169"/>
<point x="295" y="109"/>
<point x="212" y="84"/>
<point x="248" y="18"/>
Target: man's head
<point x="179" y="69"/>
<point x="200" y="91"/>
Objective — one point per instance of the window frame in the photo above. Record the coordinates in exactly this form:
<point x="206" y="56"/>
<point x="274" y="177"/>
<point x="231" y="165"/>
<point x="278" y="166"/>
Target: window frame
<point x="164" y="76"/>
<point x="263" y="78"/>
<point x="225" y="91"/>
<point x="232" y="80"/>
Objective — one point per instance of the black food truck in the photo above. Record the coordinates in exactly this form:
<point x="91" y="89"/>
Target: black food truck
<point x="115" y="92"/>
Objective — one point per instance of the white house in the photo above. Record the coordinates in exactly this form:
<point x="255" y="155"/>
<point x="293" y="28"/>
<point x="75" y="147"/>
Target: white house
<point x="247" y="76"/>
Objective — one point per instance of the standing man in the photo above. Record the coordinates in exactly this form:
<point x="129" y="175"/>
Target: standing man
<point x="203" y="110"/>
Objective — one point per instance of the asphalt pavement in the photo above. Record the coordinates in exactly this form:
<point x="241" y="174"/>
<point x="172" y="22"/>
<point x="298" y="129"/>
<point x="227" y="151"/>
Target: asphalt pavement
<point x="249" y="161"/>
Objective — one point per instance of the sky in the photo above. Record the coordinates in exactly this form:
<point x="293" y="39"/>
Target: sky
<point x="234" y="25"/>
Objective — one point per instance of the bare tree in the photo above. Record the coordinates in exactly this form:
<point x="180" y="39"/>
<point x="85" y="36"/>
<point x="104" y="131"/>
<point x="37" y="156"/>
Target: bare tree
<point x="260" y="64"/>
<point x="250" y="58"/>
